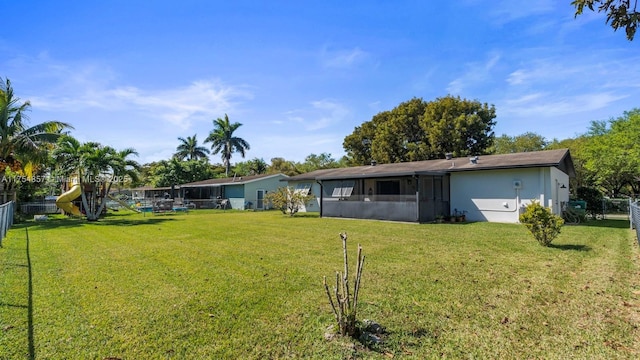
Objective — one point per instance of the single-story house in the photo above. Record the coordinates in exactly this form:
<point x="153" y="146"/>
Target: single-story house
<point x="149" y="192"/>
<point x="238" y="192"/>
<point x="485" y="188"/>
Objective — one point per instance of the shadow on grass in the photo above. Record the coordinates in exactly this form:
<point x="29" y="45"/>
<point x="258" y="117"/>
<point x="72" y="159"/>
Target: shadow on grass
<point x="29" y="305"/>
<point x="132" y="222"/>
<point x="571" y="247"/>
<point x="609" y="223"/>
<point x="108" y="221"/>
<point x="306" y="215"/>
<point x="32" y="347"/>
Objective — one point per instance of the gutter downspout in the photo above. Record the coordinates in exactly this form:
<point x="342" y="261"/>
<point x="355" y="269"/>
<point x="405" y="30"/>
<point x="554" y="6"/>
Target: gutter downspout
<point x="321" y="195"/>
<point x="417" y="180"/>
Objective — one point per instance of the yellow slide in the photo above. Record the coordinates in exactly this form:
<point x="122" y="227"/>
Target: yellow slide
<point x="64" y="201"/>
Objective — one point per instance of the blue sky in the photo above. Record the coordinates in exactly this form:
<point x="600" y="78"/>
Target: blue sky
<point x="301" y="75"/>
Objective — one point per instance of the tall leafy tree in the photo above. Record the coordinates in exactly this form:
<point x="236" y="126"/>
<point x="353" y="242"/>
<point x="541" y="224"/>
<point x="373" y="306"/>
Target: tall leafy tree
<point x="577" y="148"/>
<point x="458" y="126"/>
<point x="358" y="144"/>
<point x="418" y="130"/>
<point x="190" y="150"/>
<point x="401" y="137"/>
<point x="620" y="13"/>
<point x="223" y="141"/>
<point x="613" y="154"/>
<point x="391" y="136"/>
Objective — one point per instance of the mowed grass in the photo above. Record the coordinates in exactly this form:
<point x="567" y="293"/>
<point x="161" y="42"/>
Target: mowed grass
<point x="248" y="285"/>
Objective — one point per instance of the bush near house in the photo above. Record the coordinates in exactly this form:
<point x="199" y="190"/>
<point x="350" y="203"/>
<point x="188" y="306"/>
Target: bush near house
<point x="541" y="222"/>
<point x="288" y="200"/>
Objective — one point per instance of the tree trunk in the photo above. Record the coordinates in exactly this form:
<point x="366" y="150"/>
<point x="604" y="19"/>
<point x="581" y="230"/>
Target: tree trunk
<point x="103" y="203"/>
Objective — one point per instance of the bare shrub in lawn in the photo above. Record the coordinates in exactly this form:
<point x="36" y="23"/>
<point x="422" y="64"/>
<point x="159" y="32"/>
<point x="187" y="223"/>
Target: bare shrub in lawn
<point x="541" y="222"/>
<point x="343" y="301"/>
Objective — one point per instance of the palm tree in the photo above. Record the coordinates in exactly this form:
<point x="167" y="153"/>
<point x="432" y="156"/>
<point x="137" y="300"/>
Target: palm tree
<point x="66" y="156"/>
<point x="22" y="148"/>
<point x="113" y="166"/>
<point x="189" y="149"/>
<point x="19" y="143"/>
<point x="96" y="167"/>
<point x="126" y="167"/>
<point x="223" y="141"/>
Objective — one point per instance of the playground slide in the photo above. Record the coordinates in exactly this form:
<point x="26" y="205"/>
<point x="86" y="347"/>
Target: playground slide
<point x="64" y="201"/>
<point x="123" y="204"/>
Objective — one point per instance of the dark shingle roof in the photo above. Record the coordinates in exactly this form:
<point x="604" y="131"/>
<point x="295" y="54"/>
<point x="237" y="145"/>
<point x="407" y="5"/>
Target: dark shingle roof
<point x="229" y="181"/>
<point x="557" y="158"/>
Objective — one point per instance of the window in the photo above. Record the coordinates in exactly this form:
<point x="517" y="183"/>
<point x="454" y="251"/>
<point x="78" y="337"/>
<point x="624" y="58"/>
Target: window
<point x="388" y="187"/>
<point x="303" y="188"/>
<point x="343" y="189"/>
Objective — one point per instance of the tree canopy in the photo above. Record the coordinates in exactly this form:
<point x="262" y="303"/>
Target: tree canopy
<point x="418" y="130"/>
<point x="316" y="162"/>
<point x="175" y="172"/>
<point x="251" y="167"/>
<point x="620" y="13"/>
<point x="613" y="154"/>
<point x="528" y="141"/>
<point x="281" y="165"/>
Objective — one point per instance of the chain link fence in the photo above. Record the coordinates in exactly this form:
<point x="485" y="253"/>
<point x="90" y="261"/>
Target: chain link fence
<point x="6" y="218"/>
<point x="634" y="214"/>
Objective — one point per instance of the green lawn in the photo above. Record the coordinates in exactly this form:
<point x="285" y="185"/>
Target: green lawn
<point x="248" y="285"/>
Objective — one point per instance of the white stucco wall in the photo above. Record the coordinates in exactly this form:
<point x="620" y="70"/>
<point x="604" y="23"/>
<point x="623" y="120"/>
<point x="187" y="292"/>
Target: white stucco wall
<point x="498" y="195"/>
<point x="313" y="205"/>
<point x="559" y="184"/>
<point x="267" y="184"/>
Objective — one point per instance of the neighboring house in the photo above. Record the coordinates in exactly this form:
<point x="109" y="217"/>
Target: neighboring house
<point x="150" y="192"/>
<point x="307" y="184"/>
<point x="238" y="192"/>
<point x="486" y="188"/>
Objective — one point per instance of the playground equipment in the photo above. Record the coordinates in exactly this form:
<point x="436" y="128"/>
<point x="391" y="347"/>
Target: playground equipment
<point x="64" y="201"/>
<point x="124" y="204"/>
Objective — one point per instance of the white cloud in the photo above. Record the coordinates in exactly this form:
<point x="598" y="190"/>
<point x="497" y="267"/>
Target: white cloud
<point x="343" y="58"/>
<point x="505" y="11"/>
<point x="549" y="106"/>
<point x="321" y="115"/>
<point x="89" y="86"/>
<point x="601" y="72"/>
<point x="476" y="73"/>
<point x="178" y="106"/>
<point x="328" y="112"/>
<point x="548" y="70"/>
